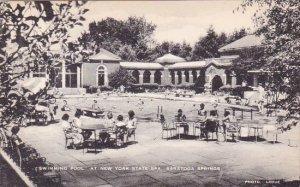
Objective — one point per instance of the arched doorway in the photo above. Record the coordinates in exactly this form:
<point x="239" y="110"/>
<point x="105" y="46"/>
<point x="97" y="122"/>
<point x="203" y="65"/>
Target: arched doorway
<point x="157" y="77"/>
<point x="146" y="75"/>
<point x="101" y="75"/>
<point x="136" y="75"/>
<point x="216" y="83"/>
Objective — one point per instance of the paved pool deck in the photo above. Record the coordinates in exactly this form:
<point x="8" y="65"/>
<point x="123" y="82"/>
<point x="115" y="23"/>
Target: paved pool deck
<point x="151" y="161"/>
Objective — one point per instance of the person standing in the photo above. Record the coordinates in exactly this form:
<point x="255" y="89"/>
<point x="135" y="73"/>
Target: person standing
<point x="261" y="96"/>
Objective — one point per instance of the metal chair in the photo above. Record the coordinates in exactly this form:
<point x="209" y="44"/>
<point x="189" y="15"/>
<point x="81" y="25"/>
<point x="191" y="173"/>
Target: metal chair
<point x="67" y="138"/>
<point x="132" y="134"/>
<point x="233" y="130"/>
<point x="199" y="125"/>
<point x="168" y="128"/>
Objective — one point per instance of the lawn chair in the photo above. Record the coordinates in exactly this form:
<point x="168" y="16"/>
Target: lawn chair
<point x="67" y="138"/>
<point x="199" y="125"/>
<point x="132" y="134"/>
<point x="116" y="137"/>
<point x="166" y="127"/>
<point x="233" y="130"/>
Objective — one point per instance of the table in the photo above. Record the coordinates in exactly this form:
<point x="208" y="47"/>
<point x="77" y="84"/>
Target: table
<point x="92" y="112"/>
<point x="255" y="125"/>
<point x="256" y="131"/>
<point x="183" y="124"/>
<point x="93" y="127"/>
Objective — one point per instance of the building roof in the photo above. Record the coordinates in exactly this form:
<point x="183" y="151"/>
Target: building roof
<point x="245" y="42"/>
<point x="200" y="64"/>
<point x="169" y="59"/>
<point x="140" y="65"/>
<point x="187" y="65"/>
<point x="105" y="55"/>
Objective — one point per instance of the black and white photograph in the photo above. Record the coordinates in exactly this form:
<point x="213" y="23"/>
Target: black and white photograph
<point x="150" y="93"/>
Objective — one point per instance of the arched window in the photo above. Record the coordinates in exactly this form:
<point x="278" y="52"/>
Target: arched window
<point x="147" y="75"/>
<point x="101" y="75"/>
<point x="172" y="73"/>
<point x="136" y="75"/>
<point x="157" y="77"/>
<point x="187" y="76"/>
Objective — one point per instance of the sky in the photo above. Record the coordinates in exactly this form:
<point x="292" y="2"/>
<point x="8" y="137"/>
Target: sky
<point x="176" y="21"/>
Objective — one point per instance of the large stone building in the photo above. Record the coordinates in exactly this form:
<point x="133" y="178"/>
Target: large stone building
<point x="168" y="70"/>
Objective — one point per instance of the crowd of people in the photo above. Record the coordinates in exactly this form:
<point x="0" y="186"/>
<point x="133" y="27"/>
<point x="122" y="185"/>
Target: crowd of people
<point x="209" y="121"/>
<point x="120" y="127"/>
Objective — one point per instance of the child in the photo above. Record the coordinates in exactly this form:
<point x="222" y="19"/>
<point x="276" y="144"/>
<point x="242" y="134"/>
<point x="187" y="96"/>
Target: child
<point x="121" y="130"/>
<point x="131" y="123"/>
<point x="65" y="106"/>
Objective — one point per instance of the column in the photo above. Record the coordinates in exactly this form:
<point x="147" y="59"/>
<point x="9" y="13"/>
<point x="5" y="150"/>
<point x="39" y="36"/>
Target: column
<point x="190" y="76"/>
<point x="208" y="79"/>
<point x="152" y="77"/>
<point x="176" y="77"/>
<point x="224" y="79"/>
<point x="233" y="79"/>
<point x="182" y="77"/>
<point x="198" y="73"/>
<point x="141" y="77"/>
<point x="78" y="77"/>
<point x="63" y="74"/>
<point x="255" y="82"/>
<point x="30" y="74"/>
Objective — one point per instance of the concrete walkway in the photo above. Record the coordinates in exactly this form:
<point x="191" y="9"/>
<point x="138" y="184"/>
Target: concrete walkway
<point x="151" y="161"/>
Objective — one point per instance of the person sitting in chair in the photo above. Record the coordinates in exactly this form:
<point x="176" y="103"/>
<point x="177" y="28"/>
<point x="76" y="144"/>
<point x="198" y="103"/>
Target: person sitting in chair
<point x="229" y="124"/>
<point x="180" y="117"/>
<point x="131" y="123"/>
<point x="121" y="129"/>
<point x="110" y="124"/>
<point x="72" y="132"/>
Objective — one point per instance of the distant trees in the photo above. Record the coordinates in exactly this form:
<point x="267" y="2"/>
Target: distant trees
<point x="129" y="39"/>
<point x="207" y="46"/>
<point x="183" y="50"/>
<point x="132" y="40"/>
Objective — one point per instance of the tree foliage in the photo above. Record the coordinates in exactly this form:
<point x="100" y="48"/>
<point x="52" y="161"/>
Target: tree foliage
<point x="278" y="22"/>
<point x="27" y="31"/>
<point x="183" y="50"/>
<point x="120" y="36"/>
<point x="208" y="46"/>
<point x="121" y="77"/>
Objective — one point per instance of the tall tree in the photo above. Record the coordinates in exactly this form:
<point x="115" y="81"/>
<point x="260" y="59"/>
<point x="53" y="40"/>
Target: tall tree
<point x="278" y="22"/>
<point x="207" y="46"/>
<point x="27" y="31"/>
<point x="114" y="35"/>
